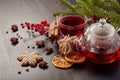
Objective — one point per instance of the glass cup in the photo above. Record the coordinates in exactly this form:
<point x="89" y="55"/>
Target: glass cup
<point x="72" y="24"/>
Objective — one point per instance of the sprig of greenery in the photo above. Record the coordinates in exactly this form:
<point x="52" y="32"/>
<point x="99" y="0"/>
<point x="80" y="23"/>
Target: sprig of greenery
<point x="102" y="8"/>
<point x="67" y="4"/>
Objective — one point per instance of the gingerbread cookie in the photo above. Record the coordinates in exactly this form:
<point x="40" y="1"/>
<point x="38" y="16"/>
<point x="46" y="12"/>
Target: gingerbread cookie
<point x="30" y="59"/>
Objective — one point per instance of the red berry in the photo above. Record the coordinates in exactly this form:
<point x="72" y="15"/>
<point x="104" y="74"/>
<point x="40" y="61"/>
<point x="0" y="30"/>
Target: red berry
<point x="42" y="25"/>
<point x="28" y="24"/>
<point x="36" y="30"/>
<point x="40" y="32"/>
<point x="21" y="24"/>
<point x="28" y="27"/>
<point x="44" y="22"/>
<point x="32" y="25"/>
<point x="39" y="27"/>
<point x="47" y="25"/>
<point x="35" y="25"/>
<point x="32" y="28"/>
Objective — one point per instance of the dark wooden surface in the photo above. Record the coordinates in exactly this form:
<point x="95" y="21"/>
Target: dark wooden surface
<point x="17" y="11"/>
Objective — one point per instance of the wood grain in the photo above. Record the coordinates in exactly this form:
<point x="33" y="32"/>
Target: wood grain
<point x="18" y="11"/>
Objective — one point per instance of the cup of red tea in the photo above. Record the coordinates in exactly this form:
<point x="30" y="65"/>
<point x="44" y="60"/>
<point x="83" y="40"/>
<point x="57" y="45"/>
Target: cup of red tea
<point x="72" y="24"/>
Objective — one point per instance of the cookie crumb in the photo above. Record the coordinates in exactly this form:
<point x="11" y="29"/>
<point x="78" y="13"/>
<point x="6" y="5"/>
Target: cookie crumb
<point x="17" y="34"/>
<point x="28" y="47"/>
<point x="33" y="47"/>
<point x="21" y="38"/>
<point x="19" y="72"/>
<point x="6" y="32"/>
<point x="27" y="70"/>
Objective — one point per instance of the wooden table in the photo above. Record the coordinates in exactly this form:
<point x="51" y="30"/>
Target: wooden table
<point x="18" y="11"/>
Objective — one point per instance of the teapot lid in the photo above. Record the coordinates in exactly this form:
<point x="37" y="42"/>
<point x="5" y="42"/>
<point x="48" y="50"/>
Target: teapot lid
<point x="102" y="29"/>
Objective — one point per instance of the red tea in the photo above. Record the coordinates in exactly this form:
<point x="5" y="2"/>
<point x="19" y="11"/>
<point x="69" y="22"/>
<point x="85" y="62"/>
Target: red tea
<point x="73" y="25"/>
<point x="102" y="58"/>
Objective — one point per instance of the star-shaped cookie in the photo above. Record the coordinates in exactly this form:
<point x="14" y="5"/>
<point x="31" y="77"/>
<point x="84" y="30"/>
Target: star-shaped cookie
<point x="30" y="59"/>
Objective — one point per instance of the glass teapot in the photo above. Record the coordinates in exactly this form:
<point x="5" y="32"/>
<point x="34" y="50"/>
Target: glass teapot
<point x="101" y="43"/>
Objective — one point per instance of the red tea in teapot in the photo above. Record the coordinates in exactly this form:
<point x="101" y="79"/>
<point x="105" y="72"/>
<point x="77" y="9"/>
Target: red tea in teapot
<point x="102" y="58"/>
<point x="102" y="43"/>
